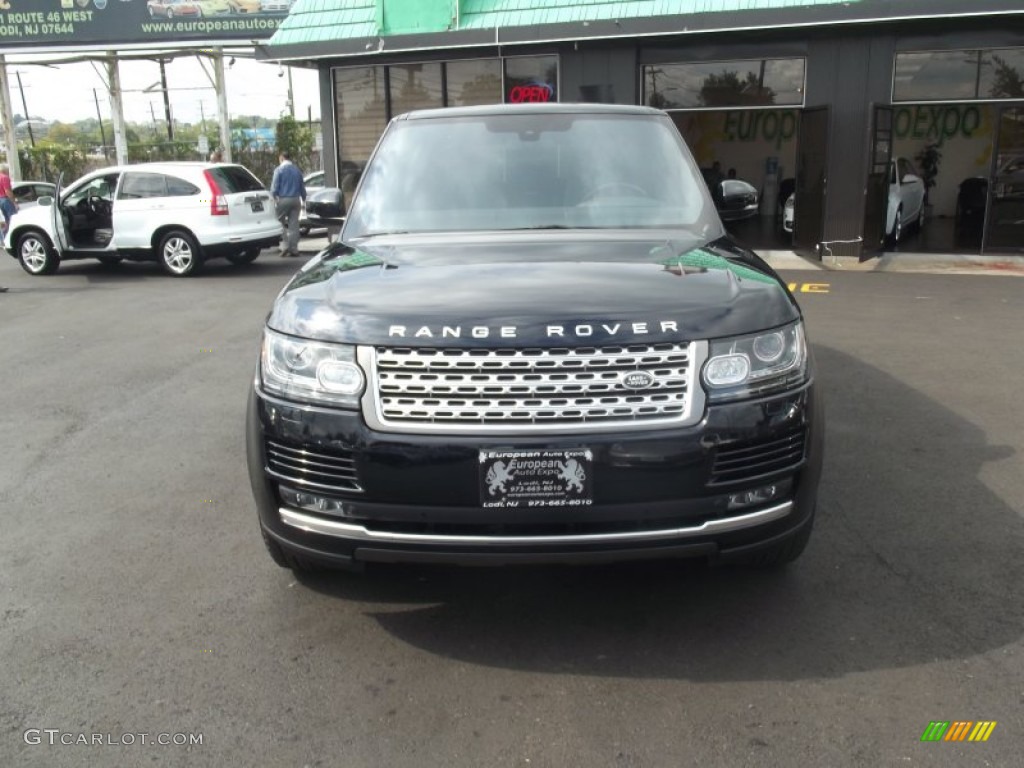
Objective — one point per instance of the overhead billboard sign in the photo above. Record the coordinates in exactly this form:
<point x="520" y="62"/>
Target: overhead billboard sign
<point x="112" y="23"/>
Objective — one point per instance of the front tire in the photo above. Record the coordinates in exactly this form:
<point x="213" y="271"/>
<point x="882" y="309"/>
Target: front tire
<point x="36" y="254"/>
<point x="783" y="553"/>
<point x="285" y="559"/>
<point x="897" y="227"/>
<point x="179" y="254"/>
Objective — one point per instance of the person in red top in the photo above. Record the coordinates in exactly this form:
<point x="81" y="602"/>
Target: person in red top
<point x="7" y="204"/>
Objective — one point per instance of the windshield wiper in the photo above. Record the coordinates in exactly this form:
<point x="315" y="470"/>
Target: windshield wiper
<point x="383" y="232"/>
<point x="548" y="226"/>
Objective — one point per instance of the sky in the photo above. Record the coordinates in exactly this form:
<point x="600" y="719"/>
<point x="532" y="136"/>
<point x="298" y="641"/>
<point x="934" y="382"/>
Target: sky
<point x="65" y="93"/>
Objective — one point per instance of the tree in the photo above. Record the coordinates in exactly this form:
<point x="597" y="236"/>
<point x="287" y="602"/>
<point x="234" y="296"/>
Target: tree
<point x="729" y="90"/>
<point x="293" y="137"/>
<point x="1008" y="82"/>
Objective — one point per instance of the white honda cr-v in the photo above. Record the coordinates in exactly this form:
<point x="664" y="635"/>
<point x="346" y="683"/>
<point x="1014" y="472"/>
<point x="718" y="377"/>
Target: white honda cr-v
<point x="180" y="214"/>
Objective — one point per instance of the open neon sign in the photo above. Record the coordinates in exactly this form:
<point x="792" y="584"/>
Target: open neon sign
<point x="531" y="93"/>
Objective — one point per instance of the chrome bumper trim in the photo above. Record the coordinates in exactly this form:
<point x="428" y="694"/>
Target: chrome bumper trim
<point x="323" y="527"/>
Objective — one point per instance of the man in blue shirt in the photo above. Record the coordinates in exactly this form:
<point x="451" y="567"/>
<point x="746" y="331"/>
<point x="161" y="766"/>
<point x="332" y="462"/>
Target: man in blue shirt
<point x="289" y="193"/>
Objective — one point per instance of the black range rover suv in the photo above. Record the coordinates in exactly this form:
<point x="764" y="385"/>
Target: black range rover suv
<point x="533" y="342"/>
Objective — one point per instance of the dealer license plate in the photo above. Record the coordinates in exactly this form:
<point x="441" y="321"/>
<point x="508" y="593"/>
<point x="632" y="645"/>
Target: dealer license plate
<point x="524" y="479"/>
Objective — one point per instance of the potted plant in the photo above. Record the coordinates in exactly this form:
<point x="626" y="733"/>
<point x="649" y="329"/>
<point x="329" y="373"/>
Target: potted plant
<point x="928" y="160"/>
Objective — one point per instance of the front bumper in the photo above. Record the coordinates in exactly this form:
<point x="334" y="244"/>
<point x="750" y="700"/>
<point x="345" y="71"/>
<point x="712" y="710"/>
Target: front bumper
<point x="663" y="493"/>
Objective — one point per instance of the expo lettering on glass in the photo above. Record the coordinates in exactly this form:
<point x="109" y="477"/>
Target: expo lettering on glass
<point x="936" y="123"/>
<point x="759" y="125"/>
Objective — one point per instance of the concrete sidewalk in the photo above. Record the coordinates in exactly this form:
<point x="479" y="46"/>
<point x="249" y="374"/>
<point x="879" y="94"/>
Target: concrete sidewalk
<point x="929" y="263"/>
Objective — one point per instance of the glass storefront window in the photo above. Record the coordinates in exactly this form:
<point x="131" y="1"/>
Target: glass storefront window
<point x="725" y="84"/>
<point x="361" y="114"/>
<point x="963" y="75"/>
<point x="415" y="86"/>
<point x="367" y="97"/>
<point x="531" y="79"/>
<point x="936" y="76"/>
<point x="477" y="81"/>
<point x="1002" y="74"/>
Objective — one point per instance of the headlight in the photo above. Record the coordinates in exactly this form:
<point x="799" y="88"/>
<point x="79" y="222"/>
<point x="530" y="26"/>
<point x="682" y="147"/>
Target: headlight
<point x="313" y="371"/>
<point x="750" y="365"/>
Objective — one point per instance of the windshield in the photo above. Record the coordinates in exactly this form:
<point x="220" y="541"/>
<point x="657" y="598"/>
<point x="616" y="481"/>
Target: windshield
<point x="530" y="171"/>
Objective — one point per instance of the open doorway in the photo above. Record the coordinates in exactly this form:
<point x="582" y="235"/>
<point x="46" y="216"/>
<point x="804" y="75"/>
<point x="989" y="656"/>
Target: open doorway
<point x="1004" y="225"/>
<point x="949" y="148"/>
<point x="775" y="151"/>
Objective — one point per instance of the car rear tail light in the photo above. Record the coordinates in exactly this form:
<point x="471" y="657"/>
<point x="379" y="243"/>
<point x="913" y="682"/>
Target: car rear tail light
<point x="218" y="202"/>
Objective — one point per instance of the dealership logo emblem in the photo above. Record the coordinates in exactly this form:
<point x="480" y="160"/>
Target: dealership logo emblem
<point x="573" y="474"/>
<point x="637" y="380"/>
<point x="498" y="475"/>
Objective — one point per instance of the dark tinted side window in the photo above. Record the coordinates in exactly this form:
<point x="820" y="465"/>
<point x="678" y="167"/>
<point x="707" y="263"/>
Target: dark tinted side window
<point x="25" y="194"/>
<point x="235" y="178"/>
<point x="140" y="185"/>
<point x="180" y="188"/>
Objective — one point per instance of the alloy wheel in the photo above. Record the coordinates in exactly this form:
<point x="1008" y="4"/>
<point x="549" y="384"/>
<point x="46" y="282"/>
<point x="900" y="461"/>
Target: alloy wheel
<point x="178" y="255"/>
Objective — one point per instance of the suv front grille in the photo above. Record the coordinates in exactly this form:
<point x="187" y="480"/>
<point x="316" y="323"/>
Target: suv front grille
<point x="312" y="470"/>
<point x="533" y="390"/>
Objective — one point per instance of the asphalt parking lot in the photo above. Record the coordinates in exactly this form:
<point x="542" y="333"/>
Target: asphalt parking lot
<point x="137" y="597"/>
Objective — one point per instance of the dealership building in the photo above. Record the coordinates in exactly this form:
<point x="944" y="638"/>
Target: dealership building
<point x="841" y="101"/>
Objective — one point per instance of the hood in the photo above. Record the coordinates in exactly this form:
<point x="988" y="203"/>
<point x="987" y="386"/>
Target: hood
<point x="530" y="289"/>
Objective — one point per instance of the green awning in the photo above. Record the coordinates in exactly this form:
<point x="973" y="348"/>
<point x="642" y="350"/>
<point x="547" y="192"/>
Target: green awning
<point x="335" y="28"/>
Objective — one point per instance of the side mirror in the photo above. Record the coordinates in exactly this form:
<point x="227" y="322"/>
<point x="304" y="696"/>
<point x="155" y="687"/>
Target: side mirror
<point x="45" y="200"/>
<point x="327" y="204"/>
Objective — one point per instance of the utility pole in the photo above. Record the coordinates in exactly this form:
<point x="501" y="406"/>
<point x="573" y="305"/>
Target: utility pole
<point x="11" y="136"/>
<point x="167" y="102"/>
<point x="116" y="108"/>
<point x="99" y="116"/>
<point x="222" y="103"/>
<point x="291" y="97"/>
<point x="152" y="115"/>
<point x="24" y="105"/>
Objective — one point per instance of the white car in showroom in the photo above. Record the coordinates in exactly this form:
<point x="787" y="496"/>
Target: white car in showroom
<point x="180" y="214"/>
<point x="906" y="201"/>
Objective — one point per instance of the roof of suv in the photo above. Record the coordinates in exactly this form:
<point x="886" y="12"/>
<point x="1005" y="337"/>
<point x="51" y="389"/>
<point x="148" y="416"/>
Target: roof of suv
<point x="167" y="166"/>
<point x="518" y="109"/>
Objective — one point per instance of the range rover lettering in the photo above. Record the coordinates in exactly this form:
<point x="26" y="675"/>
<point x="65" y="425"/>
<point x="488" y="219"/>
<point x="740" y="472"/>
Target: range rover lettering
<point x="534" y="342"/>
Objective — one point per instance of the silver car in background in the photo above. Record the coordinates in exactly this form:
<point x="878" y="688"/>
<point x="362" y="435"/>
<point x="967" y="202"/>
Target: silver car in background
<point x="906" y="201"/>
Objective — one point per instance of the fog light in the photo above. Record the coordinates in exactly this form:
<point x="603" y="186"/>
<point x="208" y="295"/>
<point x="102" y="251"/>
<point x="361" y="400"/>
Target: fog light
<point x="757" y="496"/>
<point x="314" y="502"/>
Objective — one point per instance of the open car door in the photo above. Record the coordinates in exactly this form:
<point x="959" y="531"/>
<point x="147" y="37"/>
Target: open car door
<point x="61" y="241"/>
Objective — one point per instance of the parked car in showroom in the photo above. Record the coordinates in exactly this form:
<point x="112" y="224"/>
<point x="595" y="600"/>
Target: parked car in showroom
<point x="180" y="214"/>
<point x="734" y="199"/>
<point x="519" y="351"/>
<point x="905" y="205"/>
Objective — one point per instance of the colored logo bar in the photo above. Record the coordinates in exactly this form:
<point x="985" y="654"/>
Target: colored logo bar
<point x="958" y="730"/>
